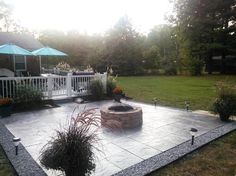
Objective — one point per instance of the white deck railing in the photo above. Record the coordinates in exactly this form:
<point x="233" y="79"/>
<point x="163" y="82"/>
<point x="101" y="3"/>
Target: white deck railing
<point x="51" y="85"/>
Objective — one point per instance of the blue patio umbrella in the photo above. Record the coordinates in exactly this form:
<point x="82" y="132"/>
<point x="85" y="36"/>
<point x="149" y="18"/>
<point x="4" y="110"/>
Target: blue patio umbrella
<point x="12" y="49"/>
<point x="47" y="51"/>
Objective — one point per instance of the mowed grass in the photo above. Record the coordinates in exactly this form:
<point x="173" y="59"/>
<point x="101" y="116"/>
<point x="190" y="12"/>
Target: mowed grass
<point x="174" y="90"/>
<point x="5" y="167"/>
<point x="216" y="159"/>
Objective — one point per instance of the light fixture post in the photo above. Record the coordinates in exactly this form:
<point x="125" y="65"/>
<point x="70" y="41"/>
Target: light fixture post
<point x="187" y="105"/>
<point x="16" y="142"/>
<point x="193" y="132"/>
<point x="155" y="102"/>
<point x="192" y="140"/>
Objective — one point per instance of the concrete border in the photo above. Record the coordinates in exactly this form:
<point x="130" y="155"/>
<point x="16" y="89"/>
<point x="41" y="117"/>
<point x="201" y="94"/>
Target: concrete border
<point x="158" y="161"/>
<point x="23" y="163"/>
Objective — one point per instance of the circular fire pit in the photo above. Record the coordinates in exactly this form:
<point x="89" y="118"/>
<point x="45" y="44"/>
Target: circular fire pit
<point x="127" y="116"/>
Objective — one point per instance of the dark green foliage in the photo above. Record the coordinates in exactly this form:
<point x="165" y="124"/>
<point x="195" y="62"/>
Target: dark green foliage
<point x="27" y="96"/>
<point x="123" y="49"/>
<point x="169" y="67"/>
<point x="200" y="30"/>
<point x="71" y="150"/>
<point x="111" y="84"/>
<point x="170" y="70"/>
<point x="206" y="29"/>
<point x="96" y="89"/>
<point x="161" y="52"/>
<point x="195" y="67"/>
<point x="225" y="104"/>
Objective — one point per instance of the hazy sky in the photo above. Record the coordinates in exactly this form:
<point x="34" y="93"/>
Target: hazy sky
<point x="91" y="16"/>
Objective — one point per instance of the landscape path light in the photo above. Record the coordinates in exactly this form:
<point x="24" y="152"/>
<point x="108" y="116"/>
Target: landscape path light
<point x="187" y="104"/>
<point x="193" y="132"/>
<point x="16" y="142"/>
<point x="155" y="101"/>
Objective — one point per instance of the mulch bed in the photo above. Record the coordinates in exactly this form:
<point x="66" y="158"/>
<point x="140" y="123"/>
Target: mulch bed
<point x="45" y="104"/>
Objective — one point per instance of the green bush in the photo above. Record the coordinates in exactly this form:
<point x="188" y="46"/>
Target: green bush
<point x="96" y="89"/>
<point x="170" y="70"/>
<point x="71" y="150"/>
<point x="27" y="96"/>
<point x="225" y="104"/>
<point x="195" y="67"/>
<point x="168" y="66"/>
<point x="111" y="84"/>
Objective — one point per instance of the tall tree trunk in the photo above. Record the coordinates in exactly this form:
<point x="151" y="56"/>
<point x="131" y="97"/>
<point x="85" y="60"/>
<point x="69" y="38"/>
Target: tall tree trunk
<point x="223" y="63"/>
<point x="223" y="55"/>
<point x="209" y="64"/>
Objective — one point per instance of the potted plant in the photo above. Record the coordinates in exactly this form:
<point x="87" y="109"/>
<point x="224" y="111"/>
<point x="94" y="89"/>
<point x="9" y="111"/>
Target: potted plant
<point x="5" y="106"/>
<point x="118" y="94"/>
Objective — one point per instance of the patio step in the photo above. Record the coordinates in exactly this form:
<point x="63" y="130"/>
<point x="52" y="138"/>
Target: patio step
<point x="66" y="99"/>
<point x="62" y="99"/>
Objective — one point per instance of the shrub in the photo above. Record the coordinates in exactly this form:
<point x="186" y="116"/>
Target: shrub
<point x="27" y="96"/>
<point x="170" y="70"/>
<point x="111" y="84"/>
<point x="195" y="67"/>
<point x="96" y="89"/>
<point x="71" y="150"/>
<point x="225" y="104"/>
<point x="168" y="66"/>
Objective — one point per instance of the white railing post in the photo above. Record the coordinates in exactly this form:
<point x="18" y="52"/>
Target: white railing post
<point x="68" y="84"/>
<point x="50" y="84"/>
<point x="104" y="81"/>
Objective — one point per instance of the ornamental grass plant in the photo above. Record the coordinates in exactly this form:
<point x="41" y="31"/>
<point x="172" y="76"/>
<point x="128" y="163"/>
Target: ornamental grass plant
<point x="70" y="151"/>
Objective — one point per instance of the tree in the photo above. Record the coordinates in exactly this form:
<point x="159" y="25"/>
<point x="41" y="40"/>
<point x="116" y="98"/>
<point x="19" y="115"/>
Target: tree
<point x="5" y="19"/>
<point x="7" y="23"/>
<point x="123" y="48"/>
<point x="205" y="28"/>
<point x="163" y="38"/>
<point x="79" y="46"/>
<point x="151" y="57"/>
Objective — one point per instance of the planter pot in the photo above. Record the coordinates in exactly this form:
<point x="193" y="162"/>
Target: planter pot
<point x="117" y="97"/>
<point x="224" y="117"/>
<point x="5" y="111"/>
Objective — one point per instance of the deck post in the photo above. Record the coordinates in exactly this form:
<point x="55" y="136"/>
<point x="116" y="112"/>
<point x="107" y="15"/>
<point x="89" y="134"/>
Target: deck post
<point x="50" y="84"/>
<point x="68" y="84"/>
<point x="104" y="81"/>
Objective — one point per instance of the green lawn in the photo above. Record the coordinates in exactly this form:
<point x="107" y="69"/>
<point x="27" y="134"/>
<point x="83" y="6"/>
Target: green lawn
<point x="216" y="159"/>
<point x="174" y="90"/>
<point x="5" y="167"/>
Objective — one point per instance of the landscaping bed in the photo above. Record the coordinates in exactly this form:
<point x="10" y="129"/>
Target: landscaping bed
<point x="45" y="104"/>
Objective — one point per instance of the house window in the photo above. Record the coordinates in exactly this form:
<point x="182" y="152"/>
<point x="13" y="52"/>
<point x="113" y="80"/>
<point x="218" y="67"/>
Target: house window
<point x="20" y="63"/>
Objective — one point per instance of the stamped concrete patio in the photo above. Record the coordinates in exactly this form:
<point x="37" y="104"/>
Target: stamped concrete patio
<point x="163" y="128"/>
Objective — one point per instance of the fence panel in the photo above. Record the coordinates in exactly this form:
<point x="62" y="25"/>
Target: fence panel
<point x="80" y="84"/>
<point x="10" y="85"/>
<point x="51" y="85"/>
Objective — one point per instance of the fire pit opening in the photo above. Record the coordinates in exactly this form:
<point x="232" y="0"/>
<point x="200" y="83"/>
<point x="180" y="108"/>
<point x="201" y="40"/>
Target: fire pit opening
<point x="120" y="107"/>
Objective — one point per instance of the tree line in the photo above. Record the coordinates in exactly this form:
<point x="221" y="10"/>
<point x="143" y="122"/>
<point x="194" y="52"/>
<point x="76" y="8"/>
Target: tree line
<point x="200" y="36"/>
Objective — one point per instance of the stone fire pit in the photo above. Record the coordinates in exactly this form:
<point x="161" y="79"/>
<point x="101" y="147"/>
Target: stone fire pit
<point x="128" y="116"/>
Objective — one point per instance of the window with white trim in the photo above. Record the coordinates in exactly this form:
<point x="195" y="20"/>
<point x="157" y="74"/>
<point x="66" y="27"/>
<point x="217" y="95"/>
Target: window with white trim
<point x="20" y="63"/>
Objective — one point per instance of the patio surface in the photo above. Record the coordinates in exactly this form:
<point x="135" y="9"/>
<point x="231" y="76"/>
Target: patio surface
<point x="163" y="128"/>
